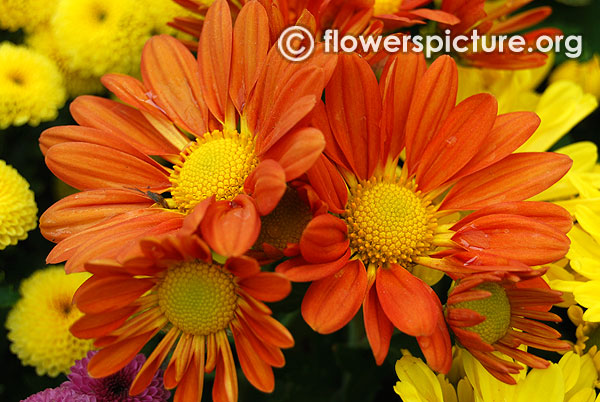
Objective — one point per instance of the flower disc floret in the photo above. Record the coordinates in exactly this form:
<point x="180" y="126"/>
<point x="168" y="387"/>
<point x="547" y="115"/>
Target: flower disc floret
<point x="198" y="298"/>
<point x="217" y="164"/>
<point x="388" y="222"/>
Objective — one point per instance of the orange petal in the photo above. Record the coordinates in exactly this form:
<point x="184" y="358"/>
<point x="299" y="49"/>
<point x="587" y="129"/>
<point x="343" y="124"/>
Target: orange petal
<point x="250" y="47"/>
<point x="124" y="121"/>
<point x="330" y="303"/>
<point x="243" y="266"/>
<point x="353" y="104"/>
<point x="267" y="286"/>
<point x="81" y="211"/>
<point x="152" y="364"/>
<point x="258" y="373"/>
<point x="299" y="270"/>
<point x="267" y="185"/>
<point x="514" y="237"/>
<point x="268" y="329"/>
<point x="297" y="151"/>
<point x="92" y="298"/>
<point x="325" y="239"/>
<point x="231" y="227"/>
<point x="378" y="327"/>
<point x="521" y="21"/>
<point x="113" y="358"/>
<point x="397" y="85"/>
<point x="170" y="72"/>
<point x="457" y="141"/>
<point x="214" y="57"/>
<point x="510" y="131"/>
<point x="97" y="325"/>
<point x="191" y="385"/>
<point x="437" y="347"/>
<point x="225" y="387"/>
<point x="543" y="212"/>
<point x="327" y="182"/>
<point x="407" y="301"/>
<point x="89" y="166"/>
<point x="434" y="97"/>
<point x="514" y="178"/>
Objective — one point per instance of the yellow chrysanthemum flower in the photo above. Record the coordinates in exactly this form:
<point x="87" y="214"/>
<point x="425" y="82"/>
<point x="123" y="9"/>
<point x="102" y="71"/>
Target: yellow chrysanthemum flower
<point x="77" y="82"/>
<point x="571" y="380"/>
<point x="26" y="14"/>
<point x="31" y="87"/>
<point x="100" y="36"/>
<point x="38" y="325"/>
<point x="586" y="74"/>
<point x="18" y="212"/>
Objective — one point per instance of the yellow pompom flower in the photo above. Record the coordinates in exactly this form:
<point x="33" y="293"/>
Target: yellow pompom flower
<point x="572" y="379"/>
<point x="77" y="82"/>
<point x="18" y="212"/>
<point x="31" y="87"/>
<point x="101" y="36"/>
<point x="38" y="325"/>
<point x="26" y="14"/>
<point x="586" y="74"/>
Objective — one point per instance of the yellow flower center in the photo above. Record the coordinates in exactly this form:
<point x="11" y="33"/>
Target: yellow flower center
<point x="388" y="222"/>
<point x="386" y="6"/>
<point x="217" y="164"/>
<point x="495" y="309"/>
<point x="198" y="298"/>
<point x="285" y="224"/>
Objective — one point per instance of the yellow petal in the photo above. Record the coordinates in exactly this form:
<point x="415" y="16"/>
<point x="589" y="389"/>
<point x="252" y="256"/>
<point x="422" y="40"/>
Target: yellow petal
<point x="545" y="385"/>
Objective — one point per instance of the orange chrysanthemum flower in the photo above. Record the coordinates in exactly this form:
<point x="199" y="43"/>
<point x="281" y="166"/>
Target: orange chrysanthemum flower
<point x="496" y="312"/>
<point x="236" y="82"/>
<point x="387" y="221"/>
<point x="495" y="20"/>
<point x="171" y="283"/>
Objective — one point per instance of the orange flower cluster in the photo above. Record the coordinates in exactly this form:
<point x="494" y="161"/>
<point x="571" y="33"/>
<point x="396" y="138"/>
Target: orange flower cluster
<point x="214" y="165"/>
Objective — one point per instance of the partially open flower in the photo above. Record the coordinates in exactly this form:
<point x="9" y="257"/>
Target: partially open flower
<point x="495" y="312"/>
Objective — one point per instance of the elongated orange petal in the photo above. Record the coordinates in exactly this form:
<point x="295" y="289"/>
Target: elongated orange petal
<point x="521" y="21"/>
<point x="397" y="85"/>
<point x="125" y="121"/>
<point x="231" y="227"/>
<point x="514" y="178"/>
<point x="83" y="210"/>
<point x="407" y="301"/>
<point x="299" y="270"/>
<point x="258" y="372"/>
<point x="325" y="239"/>
<point x="457" y="141"/>
<point x="377" y="326"/>
<point x="191" y="385"/>
<point x="152" y="364"/>
<point x="97" y="325"/>
<point x="510" y="131"/>
<point x="297" y="151"/>
<point x="543" y="212"/>
<point x="330" y="303"/>
<point x="267" y="185"/>
<point x="267" y="286"/>
<point x="434" y="97"/>
<point x="353" y="104"/>
<point x="437" y="347"/>
<point x="225" y="388"/>
<point x="123" y="290"/>
<point x="250" y="47"/>
<point x="515" y="237"/>
<point x="214" y="57"/>
<point x="327" y="182"/>
<point x="170" y="72"/>
<point x="243" y="266"/>
<point x="89" y="166"/>
<point x="268" y="329"/>
<point x="268" y="353"/>
<point x="113" y="358"/>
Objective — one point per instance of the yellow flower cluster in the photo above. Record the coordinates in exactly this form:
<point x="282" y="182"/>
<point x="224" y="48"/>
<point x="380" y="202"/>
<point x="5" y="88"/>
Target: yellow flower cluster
<point x="38" y="325"/>
<point x="31" y="87"/>
<point x="18" y="212"/>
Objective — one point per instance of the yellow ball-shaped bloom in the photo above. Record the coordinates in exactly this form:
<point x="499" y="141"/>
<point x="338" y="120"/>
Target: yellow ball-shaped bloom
<point x="101" y="36"/>
<point x="38" y="325"/>
<point x="18" y="212"/>
<point x="31" y="87"/>
<point x="77" y="82"/>
<point x="26" y="14"/>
